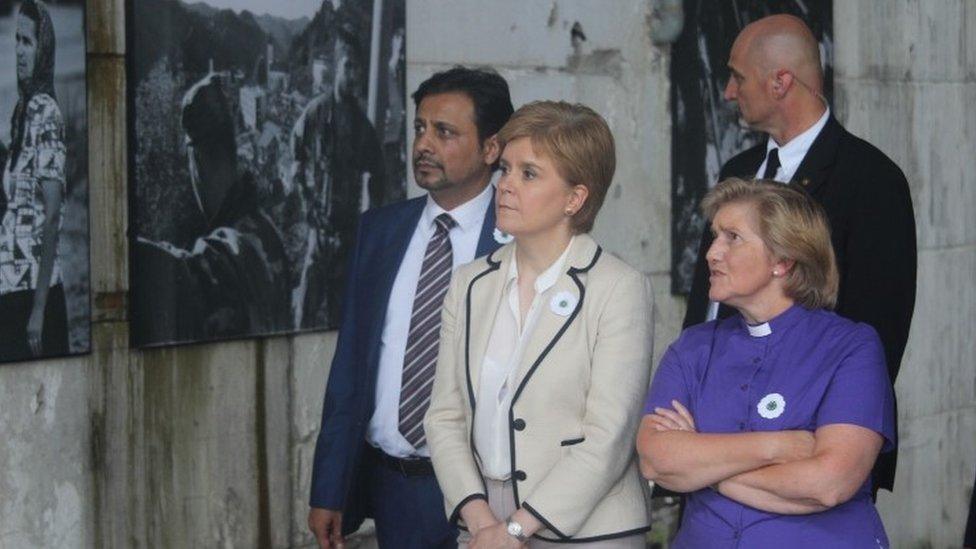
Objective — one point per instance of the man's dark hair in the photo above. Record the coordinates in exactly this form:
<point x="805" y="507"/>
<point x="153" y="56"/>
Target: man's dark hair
<point x="487" y="90"/>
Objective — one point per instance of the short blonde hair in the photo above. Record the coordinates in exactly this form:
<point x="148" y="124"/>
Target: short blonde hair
<point x="577" y="140"/>
<point x="793" y="226"/>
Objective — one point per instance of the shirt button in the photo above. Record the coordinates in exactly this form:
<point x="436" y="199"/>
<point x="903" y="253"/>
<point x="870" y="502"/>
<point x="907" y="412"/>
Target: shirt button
<point x="742" y="426"/>
<point x="518" y="424"/>
<point x="744" y="386"/>
<point x="756" y="360"/>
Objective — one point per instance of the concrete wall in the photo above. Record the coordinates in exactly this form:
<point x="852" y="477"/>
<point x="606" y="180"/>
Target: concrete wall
<point x="210" y="445"/>
<point x="906" y="81"/>
<point x="615" y="70"/>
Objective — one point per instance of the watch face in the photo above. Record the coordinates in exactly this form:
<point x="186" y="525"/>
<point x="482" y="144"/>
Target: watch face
<point x="514" y="529"/>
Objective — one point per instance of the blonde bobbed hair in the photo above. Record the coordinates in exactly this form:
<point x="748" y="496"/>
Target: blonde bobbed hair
<point x="579" y="143"/>
<point x="793" y="226"/>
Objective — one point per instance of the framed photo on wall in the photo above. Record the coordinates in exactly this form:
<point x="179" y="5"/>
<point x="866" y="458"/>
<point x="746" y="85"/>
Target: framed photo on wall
<point x="44" y="237"/>
<point x="706" y="130"/>
<point x="259" y="132"/>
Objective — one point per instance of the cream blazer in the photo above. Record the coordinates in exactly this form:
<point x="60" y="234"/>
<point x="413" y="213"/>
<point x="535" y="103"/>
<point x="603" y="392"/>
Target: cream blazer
<point x="579" y="391"/>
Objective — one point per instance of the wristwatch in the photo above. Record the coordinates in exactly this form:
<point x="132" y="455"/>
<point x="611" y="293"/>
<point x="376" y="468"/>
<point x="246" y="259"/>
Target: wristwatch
<point x="514" y="529"/>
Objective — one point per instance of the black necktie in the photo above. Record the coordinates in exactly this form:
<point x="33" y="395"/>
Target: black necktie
<point x="772" y="164"/>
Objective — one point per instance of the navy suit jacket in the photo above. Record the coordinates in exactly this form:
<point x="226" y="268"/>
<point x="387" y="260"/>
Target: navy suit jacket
<point x="872" y="228"/>
<point x="381" y="243"/>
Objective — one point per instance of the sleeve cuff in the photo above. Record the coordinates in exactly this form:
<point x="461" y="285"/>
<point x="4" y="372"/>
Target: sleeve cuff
<point x="333" y="503"/>
<point x="456" y="514"/>
<point x="549" y="526"/>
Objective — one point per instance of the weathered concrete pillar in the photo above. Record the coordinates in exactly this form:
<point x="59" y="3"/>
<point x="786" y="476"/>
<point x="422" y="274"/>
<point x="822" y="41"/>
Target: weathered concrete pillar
<point x="116" y="421"/>
<point x="906" y="81"/>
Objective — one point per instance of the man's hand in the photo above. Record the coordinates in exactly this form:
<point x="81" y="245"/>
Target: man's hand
<point x="326" y="524"/>
<point x="494" y="537"/>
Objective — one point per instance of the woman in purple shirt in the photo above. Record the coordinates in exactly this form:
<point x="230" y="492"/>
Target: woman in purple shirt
<point x="771" y="419"/>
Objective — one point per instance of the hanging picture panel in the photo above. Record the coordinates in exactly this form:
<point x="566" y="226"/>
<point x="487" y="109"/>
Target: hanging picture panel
<point x="259" y="132"/>
<point x="44" y="236"/>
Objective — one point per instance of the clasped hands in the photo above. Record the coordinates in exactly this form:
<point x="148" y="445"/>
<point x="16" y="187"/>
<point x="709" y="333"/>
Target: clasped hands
<point x="494" y="536"/>
<point x="487" y="532"/>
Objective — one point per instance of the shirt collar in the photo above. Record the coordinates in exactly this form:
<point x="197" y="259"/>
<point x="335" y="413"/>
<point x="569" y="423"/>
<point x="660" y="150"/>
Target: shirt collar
<point x="548" y="277"/>
<point x="792" y="153"/>
<point x="778" y="324"/>
<point x="759" y="330"/>
<point x="468" y="216"/>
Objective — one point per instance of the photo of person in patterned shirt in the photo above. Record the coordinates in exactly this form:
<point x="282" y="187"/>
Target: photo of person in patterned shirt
<point x="33" y="316"/>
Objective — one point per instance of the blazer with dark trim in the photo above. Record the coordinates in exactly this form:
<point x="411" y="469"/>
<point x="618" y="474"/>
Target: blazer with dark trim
<point x="578" y="395"/>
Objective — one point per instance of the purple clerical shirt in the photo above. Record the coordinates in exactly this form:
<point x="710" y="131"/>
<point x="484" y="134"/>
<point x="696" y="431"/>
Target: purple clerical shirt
<point x="802" y="370"/>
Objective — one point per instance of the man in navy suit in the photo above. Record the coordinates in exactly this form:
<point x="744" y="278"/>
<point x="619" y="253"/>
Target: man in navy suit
<point x="371" y="458"/>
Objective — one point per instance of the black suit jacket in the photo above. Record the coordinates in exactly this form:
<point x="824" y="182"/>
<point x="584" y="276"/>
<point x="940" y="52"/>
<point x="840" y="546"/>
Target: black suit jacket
<point x="872" y="222"/>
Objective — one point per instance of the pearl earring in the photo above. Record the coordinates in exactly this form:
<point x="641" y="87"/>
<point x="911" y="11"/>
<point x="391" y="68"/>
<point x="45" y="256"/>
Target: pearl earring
<point x="775" y="273"/>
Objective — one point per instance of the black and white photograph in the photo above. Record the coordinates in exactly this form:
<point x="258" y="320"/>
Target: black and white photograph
<point x="259" y="132"/>
<point x="706" y="130"/>
<point x="44" y="265"/>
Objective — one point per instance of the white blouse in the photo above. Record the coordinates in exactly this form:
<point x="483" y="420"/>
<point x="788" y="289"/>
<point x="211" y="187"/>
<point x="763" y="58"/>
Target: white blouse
<point x="496" y="385"/>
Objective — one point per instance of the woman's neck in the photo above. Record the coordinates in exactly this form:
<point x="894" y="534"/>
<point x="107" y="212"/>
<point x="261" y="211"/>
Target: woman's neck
<point x="536" y="253"/>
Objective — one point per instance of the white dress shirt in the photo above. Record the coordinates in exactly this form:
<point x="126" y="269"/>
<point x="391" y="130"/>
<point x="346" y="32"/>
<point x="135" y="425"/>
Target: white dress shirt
<point x="506" y="344"/>
<point x="383" y="431"/>
<point x="791" y="155"/>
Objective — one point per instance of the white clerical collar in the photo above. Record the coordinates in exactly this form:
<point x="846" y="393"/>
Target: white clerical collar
<point x="759" y="330"/>
<point x="468" y="216"/>
<point x="792" y="153"/>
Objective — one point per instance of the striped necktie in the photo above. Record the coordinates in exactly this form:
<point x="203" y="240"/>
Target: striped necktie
<point x="424" y="335"/>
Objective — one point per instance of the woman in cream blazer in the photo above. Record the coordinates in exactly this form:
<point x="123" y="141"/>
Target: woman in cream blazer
<point x="544" y="355"/>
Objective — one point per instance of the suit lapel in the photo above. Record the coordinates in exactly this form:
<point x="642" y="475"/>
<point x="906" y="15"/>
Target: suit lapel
<point x="746" y="166"/>
<point x="820" y="159"/>
<point x="486" y="241"/>
<point x="398" y="235"/>
<point x="482" y="303"/>
<point x="559" y="310"/>
<point x="391" y="249"/>
<point x="552" y="320"/>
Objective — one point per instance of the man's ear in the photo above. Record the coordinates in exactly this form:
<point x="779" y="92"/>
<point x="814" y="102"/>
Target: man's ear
<point x="782" y="82"/>
<point x="490" y="150"/>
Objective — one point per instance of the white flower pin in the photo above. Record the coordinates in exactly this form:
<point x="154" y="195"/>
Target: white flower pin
<point x="771" y="406"/>
<point x="502" y="237"/>
<point x="563" y="303"/>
